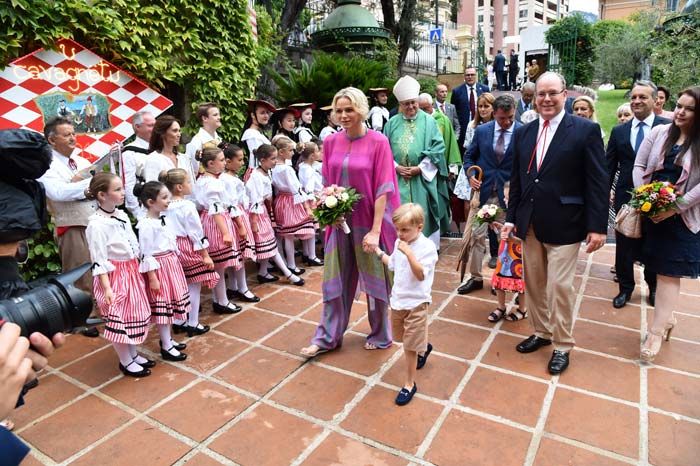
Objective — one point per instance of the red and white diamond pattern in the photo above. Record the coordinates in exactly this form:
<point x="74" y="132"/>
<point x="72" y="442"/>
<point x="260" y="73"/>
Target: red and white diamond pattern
<point x="76" y="70"/>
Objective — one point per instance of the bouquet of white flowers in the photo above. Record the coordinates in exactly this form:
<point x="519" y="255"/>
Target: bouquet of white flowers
<point x="334" y="202"/>
<point x="487" y="214"/>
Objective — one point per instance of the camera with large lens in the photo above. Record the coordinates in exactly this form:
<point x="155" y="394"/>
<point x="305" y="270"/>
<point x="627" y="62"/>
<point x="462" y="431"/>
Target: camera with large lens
<point x="51" y="304"/>
<point x="54" y="306"/>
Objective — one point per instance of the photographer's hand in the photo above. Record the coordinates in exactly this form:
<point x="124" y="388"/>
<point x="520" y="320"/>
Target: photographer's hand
<point x="41" y="349"/>
<point x="15" y="367"/>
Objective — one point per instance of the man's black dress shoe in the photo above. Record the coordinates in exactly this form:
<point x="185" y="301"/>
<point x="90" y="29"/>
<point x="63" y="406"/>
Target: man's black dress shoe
<point x="620" y="300"/>
<point x="532" y="343"/>
<point x="492" y="262"/>
<point x="651" y="299"/>
<point x="470" y="286"/>
<point x="558" y="362"/>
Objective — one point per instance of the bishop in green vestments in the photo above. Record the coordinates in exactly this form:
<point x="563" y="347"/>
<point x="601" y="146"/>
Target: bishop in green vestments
<point x="419" y="153"/>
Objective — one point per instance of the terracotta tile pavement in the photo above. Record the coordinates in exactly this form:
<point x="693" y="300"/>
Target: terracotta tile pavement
<point x="246" y="397"/>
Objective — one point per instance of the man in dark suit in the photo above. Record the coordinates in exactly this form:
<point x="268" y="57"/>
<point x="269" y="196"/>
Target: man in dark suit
<point x="464" y="99"/>
<point x="499" y="67"/>
<point x="558" y="198"/>
<point x="513" y="69"/>
<point x="492" y="150"/>
<point x="625" y="140"/>
<point x="445" y="107"/>
<point x="526" y="100"/>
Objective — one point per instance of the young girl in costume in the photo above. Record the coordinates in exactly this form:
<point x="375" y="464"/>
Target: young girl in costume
<point x="237" y="203"/>
<point x="167" y="286"/>
<point x="119" y="288"/>
<point x="292" y="211"/>
<point x="210" y="192"/>
<point x="259" y="188"/>
<point x="184" y="220"/>
<point x="312" y="184"/>
<point x="508" y="275"/>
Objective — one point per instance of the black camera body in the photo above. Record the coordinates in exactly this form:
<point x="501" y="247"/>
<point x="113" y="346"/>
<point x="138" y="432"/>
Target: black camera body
<point x="55" y="305"/>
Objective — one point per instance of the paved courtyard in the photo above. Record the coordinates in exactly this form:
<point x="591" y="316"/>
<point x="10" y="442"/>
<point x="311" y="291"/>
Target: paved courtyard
<point x="244" y="395"/>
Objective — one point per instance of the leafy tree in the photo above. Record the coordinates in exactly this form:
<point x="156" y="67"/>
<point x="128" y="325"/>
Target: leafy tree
<point x="676" y="55"/>
<point x="602" y="30"/>
<point x="622" y="48"/>
<point x="574" y="25"/>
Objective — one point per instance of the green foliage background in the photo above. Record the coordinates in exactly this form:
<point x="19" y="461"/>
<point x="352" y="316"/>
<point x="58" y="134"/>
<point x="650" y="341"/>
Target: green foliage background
<point x="584" y="46"/>
<point x="676" y="54"/>
<point x="202" y="48"/>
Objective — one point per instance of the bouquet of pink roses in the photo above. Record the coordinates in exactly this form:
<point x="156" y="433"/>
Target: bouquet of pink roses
<point x="333" y="203"/>
<point x="487" y="214"/>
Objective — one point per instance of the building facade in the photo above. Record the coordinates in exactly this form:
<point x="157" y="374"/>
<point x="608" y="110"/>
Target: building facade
<point x="621" y="9"/>
<point x="501" y="21"/>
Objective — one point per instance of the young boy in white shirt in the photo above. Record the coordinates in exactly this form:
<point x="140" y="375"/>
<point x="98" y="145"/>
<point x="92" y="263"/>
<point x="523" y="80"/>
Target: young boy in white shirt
<point x="413" y="263"/>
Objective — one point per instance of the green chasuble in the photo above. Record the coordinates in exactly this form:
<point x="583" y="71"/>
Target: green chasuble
<point x="412" y="141"/>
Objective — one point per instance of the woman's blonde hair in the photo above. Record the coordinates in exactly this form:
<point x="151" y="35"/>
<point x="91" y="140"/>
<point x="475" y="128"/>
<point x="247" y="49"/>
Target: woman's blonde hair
<point x="357" y="99"/>
<point x="591" y="105"/>
<point x="173" y="177"/>
<point x="281" y="141"/>
<point x="408" y="214"/>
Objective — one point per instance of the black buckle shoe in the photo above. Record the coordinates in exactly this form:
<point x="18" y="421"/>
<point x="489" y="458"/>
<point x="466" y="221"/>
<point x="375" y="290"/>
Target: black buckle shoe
<point x="229" y="308"/>
<point x="165" y="354"/>
<point x="532" y="343"/>
<point x="270" y="279"/>
<point x="197" y="330"/>
<point x="559" y="362"/>
<point x="620" y="300"/>
<point x="423" y="359"/>
<point x="315" y="262"/>
<point x="177" y="346"/>
<point x="242" y="297"/>
<point x="142" y="373"/>
<point x="471" y="285"/>
<point x="90" y="332"/>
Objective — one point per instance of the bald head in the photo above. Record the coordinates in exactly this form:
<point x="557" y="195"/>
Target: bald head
<point x="550" y="94"/>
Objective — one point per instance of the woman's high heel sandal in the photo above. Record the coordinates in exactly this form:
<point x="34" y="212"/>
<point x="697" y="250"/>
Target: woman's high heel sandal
<point x="652" y="345"/>
<point x="668" y="328"/>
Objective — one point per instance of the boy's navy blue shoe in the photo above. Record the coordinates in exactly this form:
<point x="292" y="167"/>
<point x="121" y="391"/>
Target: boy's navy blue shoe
<point x="423" y="359"/>
<point x="405" y="395"/>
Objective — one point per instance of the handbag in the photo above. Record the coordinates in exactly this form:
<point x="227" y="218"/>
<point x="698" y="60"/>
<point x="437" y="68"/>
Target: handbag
<point x="628" y="221"/>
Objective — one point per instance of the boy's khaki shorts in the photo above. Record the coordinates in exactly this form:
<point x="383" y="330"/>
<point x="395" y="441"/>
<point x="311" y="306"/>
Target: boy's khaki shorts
<point x="410" y="326"/>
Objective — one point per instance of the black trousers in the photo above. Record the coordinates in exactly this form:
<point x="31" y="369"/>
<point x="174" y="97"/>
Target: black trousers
<point x="627" y="251"/>
<point x="493" y="243"/>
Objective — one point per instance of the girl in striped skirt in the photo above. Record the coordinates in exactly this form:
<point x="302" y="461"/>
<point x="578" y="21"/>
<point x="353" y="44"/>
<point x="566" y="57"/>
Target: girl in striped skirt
<point x="119" y="288"/>
<point x="237" y="202"/>
<point x="312" y="184"/>
<point x="167" y="286"/>
<point x="292" y="211"/>
<point x="192" y="245"/>
<point x="210" y="193"/>
<point x="259" y="188"/>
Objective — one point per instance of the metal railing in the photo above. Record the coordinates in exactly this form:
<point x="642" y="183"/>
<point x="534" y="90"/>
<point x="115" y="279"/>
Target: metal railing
<point x="421" y="56"/>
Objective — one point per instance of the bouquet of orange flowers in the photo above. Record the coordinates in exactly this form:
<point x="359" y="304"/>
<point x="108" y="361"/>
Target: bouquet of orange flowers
<point x="653" y="198"/>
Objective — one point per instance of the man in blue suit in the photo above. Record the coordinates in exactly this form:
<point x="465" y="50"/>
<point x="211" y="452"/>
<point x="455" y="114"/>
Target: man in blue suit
<point x="499" y="67"/>
<point x="464" y="99"/>
<point x="625" y="140"/>
<point x="558" y="198"/>
<point x="491" y="149"/>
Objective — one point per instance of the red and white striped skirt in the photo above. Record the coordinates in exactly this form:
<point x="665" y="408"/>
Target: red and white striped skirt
<point x="222" y="255"/>
<point x="172" y="300"/>
<point x="193" y="265"/>
<point x="292" y="219"/>
<point x="265" y="241"/>
<point x="246" y="246"/>
<point x="128" y="317"/>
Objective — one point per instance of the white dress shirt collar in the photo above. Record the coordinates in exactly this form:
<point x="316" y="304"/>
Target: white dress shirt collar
<point x="649" y="121"/>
